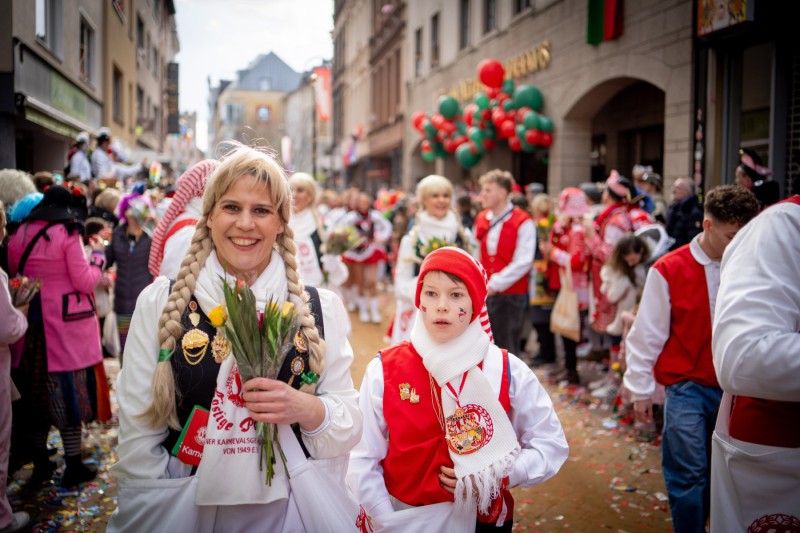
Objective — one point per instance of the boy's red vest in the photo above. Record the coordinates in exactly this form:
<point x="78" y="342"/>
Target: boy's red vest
<point x="505" y="246"/>
<point x="417" y="446"/>
<point x="687" y="352"/>
<point x="768" y="422"/>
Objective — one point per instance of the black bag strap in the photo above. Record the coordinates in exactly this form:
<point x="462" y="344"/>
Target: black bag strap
<point x="24" y="259"/>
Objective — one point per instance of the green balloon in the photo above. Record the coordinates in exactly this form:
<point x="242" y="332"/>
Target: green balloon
<point x="430" y="130"/>
<point x="526" y="146"/>
<point x="482" y="100"/>
<point x="490" y="132"/>
<point x="532" y="120"/>
<point x="528" y="96"/>
<point x="448" y="106"/>
<point x="476" y="135"/>
<point x="428" y="156"/>
<point x="462" y="127"/>
<point x="508" y="87"/>
<point x="508" y="105"/>
<point x="438" y="150"/>
<point x="545" y="124"/>
<point x="521" y="129"/>
<point x="465" y="157"/>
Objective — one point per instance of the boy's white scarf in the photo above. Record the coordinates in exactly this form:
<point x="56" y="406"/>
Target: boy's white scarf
<point x="234" y="478"/>
<point x="430" y="226"/>
<point x="479" y="474"/>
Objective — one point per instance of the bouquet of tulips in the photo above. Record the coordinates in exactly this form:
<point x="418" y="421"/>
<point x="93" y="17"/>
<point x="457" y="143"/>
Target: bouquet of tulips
<point x="544" y="227"/>
<point x="341" y="240"/>
<point x="259" y="343"/>
<point x="434" y="243"/>
<point x="23" y="289"/>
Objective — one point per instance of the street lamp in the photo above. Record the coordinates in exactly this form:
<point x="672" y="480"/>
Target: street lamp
<point x="313" y="79"/>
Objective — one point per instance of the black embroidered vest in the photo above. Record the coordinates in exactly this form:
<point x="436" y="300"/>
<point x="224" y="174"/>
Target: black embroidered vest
<point x="195" y="383"/>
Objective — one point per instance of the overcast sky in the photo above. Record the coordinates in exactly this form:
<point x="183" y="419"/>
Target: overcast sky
<point x="219" y="37"/>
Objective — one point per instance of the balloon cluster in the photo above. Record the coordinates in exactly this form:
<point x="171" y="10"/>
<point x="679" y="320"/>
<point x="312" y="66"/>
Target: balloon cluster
<point x="501" y="112"/>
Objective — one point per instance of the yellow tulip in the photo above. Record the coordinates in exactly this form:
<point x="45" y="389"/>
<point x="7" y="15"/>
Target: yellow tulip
<point x="615" y="366"/>
<point x="287" y="308"/>
<point x="218" y="316"/>
<point x="273" y="307"/>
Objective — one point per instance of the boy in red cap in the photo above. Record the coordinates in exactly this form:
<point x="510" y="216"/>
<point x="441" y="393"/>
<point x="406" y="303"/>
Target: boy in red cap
<point x="467" y="420"/>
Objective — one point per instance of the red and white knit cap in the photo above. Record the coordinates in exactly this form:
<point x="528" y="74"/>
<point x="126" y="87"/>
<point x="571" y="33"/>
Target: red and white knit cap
<point x="459" y="263"/>
<point x="191" y="184"/>
<point x="572" y="202"/>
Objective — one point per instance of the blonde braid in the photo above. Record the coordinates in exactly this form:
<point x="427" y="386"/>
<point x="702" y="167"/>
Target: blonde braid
<point x="163" y="409"/>
<point x="308" y="327"/>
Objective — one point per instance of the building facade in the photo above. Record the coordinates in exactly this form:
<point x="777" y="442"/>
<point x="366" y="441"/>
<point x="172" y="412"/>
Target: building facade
<point x="306" y="144"/>
<point x="613" y="104"/>
<point x="251" y="109"/>
<point x="352" y="92"/>
<point x="51" y="79"/>
<point x="120" y="64"/>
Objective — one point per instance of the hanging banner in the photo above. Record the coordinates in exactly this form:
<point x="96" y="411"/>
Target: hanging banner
<point x="322" y="92"/>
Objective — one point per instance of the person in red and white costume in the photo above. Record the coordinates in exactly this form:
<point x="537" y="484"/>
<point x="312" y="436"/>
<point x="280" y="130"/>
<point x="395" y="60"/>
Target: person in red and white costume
<point x="670" y="343"/>
<point x="363" y="261"/>
<point x="174" y="231"/>
<point x="450" y="419"/>
<point x="755" y="468"/>
<point x="436" y="220"/>
<point x="507" y="238"/>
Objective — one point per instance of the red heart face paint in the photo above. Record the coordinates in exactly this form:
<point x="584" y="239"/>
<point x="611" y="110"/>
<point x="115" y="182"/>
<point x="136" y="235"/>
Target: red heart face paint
<point x="462" y="314"/>
<point x="423" y="308"/>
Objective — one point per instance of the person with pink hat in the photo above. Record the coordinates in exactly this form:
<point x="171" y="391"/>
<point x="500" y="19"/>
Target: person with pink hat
<point x="566" y="249"/>
<point x="451" y="421"/>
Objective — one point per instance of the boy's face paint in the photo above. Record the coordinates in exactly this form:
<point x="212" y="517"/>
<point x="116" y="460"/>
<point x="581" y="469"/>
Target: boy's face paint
<point x="443" y="302"/>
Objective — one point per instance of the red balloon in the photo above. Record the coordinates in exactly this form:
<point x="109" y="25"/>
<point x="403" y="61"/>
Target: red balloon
<point x="522" y="112"/>
<point x="547" y="139"/>
<point x="488" y="144"/>
<point x="512" y="114"/>
<point x="425" y="146"/>
<point x="449" y="127"/>
<point x="437" y="120"/>
<point x="507" y="129"/>
<point x="450" y="145"/>
<point x="491" y="73"/>
<point x="502" y="97"/>
<point x="417" y="119"/>
<point x="493" y="92"/>
<point x="533" y="137"/>
<point x="515" y="144"/>
<point x="460" y="139"/>
<point x="498" y="116"/>
<point x="440" y="135"/>
<point x="486" y="114"/>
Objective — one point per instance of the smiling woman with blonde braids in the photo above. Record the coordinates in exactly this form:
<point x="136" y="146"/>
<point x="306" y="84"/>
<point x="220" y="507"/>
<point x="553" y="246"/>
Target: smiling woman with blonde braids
<point x="179" y="361"/>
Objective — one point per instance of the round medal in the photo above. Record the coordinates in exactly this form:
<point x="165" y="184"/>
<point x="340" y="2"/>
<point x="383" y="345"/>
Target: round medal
<point x="469" y="429"/>
<point x="300" y="343"/>
<point x="297" y="366"/>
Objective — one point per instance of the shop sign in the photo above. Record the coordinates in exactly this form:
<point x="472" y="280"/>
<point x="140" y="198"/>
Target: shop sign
<point x="520" y="66"/>
<point x="715" y="15"/>
<point x="65" y="97"/>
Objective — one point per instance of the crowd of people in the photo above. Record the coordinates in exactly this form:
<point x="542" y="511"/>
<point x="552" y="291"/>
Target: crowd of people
<point x="489" y="286"/>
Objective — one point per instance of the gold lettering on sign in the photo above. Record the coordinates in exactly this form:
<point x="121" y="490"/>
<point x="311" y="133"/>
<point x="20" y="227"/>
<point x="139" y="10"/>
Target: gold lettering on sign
<point x="520" y="66"/>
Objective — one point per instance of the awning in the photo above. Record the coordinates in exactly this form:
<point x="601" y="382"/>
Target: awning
<point x="54" y="120"/>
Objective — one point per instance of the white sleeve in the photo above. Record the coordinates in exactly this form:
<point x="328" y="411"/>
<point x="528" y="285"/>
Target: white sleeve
<point x="544" y="445"/>
<point x="756" y="331"/>
<point x="123" y="171"/>
<point x="383" y="228"/>
<point x="141" y="455"/>
<point x="521" y="262"/>
<point x="175" y="250"/>
<point x="647" y="337"/>
<point x="336" y="269"/>
<point x="335" y="388"/>
<point x="405" y="282"/>
<point x="365" y="473"/>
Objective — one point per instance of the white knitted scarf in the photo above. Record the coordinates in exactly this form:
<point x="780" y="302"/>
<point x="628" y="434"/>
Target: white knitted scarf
<point x="479" y="474"/>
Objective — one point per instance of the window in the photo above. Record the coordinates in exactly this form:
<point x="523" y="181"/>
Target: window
<point x="117" y="88"/>
<point x="489" y="15"/>
<point x="263" y="112"/>
<point x="87" y="52"/>
<point x="435" y="40"/>
<point x="157" y="10"/>
<point x="140" y="110"/>
<point x="396" y="107"/>
<point x="521" y="5"/>
<point x="49" y="24"/>
<point x="265" y="84"/>
<point x="147" y="49"/>
<point x="139" y="33"/>
<point x="232" y="114"/>
<point x="155" y="62"/>
<point x="463" y="34"/>
<point x="418" y="53"/>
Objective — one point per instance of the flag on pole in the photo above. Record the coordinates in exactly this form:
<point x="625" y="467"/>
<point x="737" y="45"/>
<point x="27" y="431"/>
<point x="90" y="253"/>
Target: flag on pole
<point x="604" y="21"/>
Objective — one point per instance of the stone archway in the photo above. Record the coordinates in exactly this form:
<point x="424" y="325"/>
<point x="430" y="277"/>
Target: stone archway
<point x="592" y="88"/>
